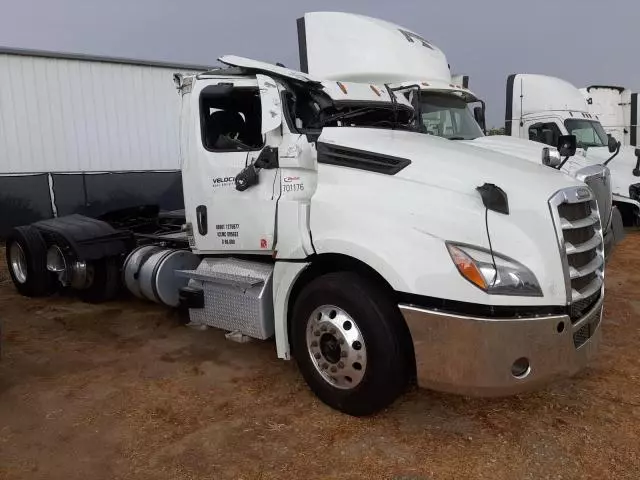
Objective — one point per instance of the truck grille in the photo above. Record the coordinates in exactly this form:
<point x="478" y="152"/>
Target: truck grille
<point x="586" y="331"/>
<point x="577" y="219"/>
<point x="598" y="179"/>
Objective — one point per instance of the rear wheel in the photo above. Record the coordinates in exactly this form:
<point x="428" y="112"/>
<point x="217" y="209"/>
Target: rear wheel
<point x="103" y="281"/>
<point x="347" y="340"/>
<point x="26" y="254"/>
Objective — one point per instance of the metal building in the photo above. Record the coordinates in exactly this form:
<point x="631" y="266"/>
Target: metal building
<point x="84" y="134"/>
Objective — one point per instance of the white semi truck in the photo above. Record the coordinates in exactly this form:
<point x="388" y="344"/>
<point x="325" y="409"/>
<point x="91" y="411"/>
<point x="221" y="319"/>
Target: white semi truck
<point x="373" y="254"/>
<point x="350" y="47"/>
<point x="542" y="108"/>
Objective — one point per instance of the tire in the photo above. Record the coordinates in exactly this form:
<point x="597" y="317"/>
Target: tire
<point x="105" y="284"/>
<point x="26" y="254"/>
<point x="362" y="312"/>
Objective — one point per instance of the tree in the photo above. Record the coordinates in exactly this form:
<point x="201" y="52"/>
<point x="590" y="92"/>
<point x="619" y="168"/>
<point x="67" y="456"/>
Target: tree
<point x="496" y="131"/>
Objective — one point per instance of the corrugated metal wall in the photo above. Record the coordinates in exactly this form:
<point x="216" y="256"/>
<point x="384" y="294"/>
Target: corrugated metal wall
<point x="62" y="115"/>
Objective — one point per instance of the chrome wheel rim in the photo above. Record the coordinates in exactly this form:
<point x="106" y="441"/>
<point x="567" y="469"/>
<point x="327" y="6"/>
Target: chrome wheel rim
<point x="336" y="347"/>
<point x="18" y="261"/>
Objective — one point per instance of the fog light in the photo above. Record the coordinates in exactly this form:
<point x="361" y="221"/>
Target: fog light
<point x="521" y="368"/>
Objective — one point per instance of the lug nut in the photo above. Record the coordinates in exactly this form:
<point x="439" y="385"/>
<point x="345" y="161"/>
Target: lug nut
<point x="317" y="333"/>
<point x="332" y="331"/>
<point x="340" y="364"/>
<point x="341" y="341"/>
<point x="325" y="366"/>
<point x="334" y="369"/>
<point x="314" y="343"/>
<point x="317" y="355"/>
<point x="323" y="328"/>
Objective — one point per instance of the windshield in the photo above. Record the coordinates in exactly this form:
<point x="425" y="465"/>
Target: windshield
<point x="587" y="132"/>
<point x="448" y="116"/>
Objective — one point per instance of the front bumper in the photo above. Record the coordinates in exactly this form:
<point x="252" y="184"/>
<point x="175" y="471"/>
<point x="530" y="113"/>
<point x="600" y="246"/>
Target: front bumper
<point x="478" y="356"/>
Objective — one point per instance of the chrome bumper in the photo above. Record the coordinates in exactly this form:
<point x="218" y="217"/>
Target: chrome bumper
<point x="496" y="357"/>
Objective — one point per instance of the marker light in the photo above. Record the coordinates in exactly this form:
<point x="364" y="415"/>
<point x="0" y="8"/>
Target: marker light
<point x="466" y="267"/>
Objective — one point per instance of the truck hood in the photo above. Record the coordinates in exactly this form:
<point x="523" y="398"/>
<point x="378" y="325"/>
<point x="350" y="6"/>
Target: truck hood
<point x="577" y="166"/>
<point x="460" y="166"/>
<point x="431" y="200"/>
<point x="513" y="146"/>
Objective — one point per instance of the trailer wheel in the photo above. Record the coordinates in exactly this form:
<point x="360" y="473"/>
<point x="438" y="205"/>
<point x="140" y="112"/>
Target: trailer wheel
<point x="347" y="341"/>
<point x="103" y="281"/>
<point x="26" y="254"/>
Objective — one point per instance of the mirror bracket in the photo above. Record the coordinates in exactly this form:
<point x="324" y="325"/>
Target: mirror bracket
<point x="250" y="175"/>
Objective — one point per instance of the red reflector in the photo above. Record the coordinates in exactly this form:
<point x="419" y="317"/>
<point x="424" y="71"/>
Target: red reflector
<point x="342" y="87"/>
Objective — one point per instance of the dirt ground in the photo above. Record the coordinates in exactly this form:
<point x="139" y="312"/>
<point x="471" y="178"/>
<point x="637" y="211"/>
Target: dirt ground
<point x="124" y="390"/>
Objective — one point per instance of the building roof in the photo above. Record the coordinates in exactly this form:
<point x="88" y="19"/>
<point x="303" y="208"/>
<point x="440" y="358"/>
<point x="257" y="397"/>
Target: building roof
<point x="96" y="58"/>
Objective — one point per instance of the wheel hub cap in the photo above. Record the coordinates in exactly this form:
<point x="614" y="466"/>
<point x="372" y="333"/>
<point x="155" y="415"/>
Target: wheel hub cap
<point x="18" y="262"/>
<point x="336" y="347"/>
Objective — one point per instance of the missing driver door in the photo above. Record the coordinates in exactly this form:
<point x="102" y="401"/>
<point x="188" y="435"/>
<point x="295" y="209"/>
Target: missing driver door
<point x="238" y="118"/>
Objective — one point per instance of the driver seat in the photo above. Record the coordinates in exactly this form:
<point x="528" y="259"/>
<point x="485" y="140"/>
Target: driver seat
<point x="224" y="129"/>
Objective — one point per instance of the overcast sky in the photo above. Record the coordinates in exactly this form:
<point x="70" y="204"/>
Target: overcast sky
<point x="583" y="41"/>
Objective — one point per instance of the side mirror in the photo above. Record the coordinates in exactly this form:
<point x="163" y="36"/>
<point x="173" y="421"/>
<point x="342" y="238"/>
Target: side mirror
<point x="551" y="157"/>
<point x="636" y="171"/>
<point x="547" y="136"/>
<point x="478" y="114"/>
<point x="612" y="143"/>
<point x="567" y="145"/>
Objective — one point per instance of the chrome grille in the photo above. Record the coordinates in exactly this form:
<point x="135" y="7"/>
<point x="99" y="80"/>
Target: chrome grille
<point x="586" y="331"/>
<point x="577" y="219"/>
<point x="598" y="179"/>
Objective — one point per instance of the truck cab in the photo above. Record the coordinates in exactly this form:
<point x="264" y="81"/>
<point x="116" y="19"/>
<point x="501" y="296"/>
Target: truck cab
<point x="541" y="108"/>
<point x="618" y="110"/>
<point x="324" y="174"/>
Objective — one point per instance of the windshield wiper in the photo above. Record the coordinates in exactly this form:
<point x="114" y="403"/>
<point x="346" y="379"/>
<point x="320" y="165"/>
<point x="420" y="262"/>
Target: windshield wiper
<point x="455" y="138"/>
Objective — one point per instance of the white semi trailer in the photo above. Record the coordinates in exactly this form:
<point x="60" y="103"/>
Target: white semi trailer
<point x="349" y="47"/>
<point x="80" y="134"/>
<point x="373" y="254"/>
<point x="617" y="109"/>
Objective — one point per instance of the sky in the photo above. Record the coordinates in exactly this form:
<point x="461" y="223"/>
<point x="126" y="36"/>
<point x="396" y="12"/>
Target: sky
<point x="583" y="41"/>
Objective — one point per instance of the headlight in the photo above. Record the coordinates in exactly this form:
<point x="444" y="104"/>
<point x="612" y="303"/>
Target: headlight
<point x="497" y="274"/>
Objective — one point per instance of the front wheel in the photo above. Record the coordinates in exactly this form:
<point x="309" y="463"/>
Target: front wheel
<point x="347" y="338"/>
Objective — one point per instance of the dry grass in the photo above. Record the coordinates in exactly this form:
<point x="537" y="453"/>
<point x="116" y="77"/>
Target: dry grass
<point x="125" y="391"/>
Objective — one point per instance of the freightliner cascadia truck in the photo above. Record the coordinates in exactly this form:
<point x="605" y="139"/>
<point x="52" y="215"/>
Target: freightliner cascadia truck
<point x="374" y="255"/>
